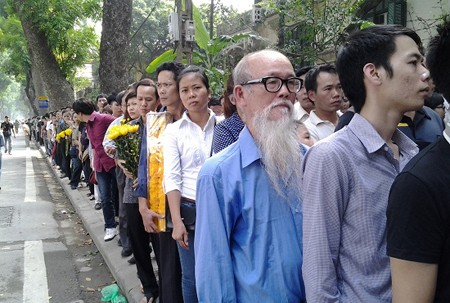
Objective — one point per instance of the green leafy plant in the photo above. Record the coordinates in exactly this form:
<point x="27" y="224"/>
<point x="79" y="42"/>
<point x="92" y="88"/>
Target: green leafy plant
<point x="208" y="53"/>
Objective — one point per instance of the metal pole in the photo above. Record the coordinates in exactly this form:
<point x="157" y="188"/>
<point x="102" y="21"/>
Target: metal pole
<point x="211" y="20"/>
<point x="188" y="45"/>
<point x="180" y="30"/>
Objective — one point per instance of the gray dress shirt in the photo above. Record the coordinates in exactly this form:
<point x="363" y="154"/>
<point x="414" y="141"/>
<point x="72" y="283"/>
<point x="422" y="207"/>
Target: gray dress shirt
<point x="346" y="182"/>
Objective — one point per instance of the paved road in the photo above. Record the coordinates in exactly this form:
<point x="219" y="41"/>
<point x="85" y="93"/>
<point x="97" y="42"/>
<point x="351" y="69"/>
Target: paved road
<point x="46" y="254"/>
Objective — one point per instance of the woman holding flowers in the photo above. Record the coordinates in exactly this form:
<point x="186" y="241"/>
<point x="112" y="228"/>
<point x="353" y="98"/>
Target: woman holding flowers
<point x="139" y="103"/>
<point x="187" y="144"/>
<point x="63" y="140"/>
<point x="74" y="152"/>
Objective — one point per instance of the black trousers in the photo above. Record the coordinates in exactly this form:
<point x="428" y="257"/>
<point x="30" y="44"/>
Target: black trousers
<point x="169" y="269"/>
<point x="140" y="244"/>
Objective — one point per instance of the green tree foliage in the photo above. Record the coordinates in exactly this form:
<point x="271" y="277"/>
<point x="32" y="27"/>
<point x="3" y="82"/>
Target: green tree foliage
<point x="71" y="38"/>
<point x="313" y="30"/>
<point x="15" y="60"/>
<point x="222" y="16"/>
<point x="149" y="34"/>
<point x="11" y="96"/>
<point x="208" y="53"/>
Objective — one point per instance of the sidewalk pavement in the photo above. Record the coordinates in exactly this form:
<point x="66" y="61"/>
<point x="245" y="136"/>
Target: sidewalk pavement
<point x="124" y="273"/>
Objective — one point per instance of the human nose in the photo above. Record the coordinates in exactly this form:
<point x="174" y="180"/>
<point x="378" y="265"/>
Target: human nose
<point x="284" y="91"/>
<point x="425" y="75"/>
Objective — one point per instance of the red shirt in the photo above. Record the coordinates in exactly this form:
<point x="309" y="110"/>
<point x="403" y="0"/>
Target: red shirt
<point x="96" y="129"/>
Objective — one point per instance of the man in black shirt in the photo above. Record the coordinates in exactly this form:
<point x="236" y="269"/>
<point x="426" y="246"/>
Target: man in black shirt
<point x="418" y="214"/>
<point x="7" y="129"/>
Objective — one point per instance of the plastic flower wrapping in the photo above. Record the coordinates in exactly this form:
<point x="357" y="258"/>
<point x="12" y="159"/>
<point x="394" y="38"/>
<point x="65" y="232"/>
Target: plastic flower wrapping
<point x="127" y="138"/>
<point x="156" y="124"/>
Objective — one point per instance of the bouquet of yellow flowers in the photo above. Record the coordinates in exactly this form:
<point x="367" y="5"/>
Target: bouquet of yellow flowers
<point x="127" y="139"/>
<point x="64" y="134"/>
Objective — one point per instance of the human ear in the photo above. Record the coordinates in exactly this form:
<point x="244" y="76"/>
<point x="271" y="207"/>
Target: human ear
<point x="311" y="95"/>
<point x="371" y="73"/>
<point x="238" y="93"/>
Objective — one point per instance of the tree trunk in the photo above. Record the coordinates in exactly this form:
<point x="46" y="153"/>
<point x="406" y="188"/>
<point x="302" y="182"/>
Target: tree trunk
<point x="30" y="93"/>
<point x="114" y="45"/>
<point x="59" y="90"/>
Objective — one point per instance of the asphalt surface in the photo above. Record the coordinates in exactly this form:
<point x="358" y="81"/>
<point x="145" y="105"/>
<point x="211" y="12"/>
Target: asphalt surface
<point x="124" y="274"/>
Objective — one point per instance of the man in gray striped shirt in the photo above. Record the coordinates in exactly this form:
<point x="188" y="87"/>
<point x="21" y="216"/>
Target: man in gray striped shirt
<point x="347" y="176"/>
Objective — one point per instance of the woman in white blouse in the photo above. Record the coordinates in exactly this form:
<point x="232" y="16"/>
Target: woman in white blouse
<point x="187" y="144"/>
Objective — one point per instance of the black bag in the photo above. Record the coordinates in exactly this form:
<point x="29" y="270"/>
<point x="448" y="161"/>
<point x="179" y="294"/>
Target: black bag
<point x="187" y="212"/>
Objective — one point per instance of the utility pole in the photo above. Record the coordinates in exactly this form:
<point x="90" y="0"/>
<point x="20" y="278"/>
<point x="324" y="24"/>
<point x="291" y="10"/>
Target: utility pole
<point x="211" y="20"/>
<point x="186" y="29"/>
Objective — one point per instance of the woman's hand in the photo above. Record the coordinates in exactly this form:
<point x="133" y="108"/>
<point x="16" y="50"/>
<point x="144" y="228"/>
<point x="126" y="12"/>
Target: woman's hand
<point x="126" y="172"/>
<point x="180" y="234"/>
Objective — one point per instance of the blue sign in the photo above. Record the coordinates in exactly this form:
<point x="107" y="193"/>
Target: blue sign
<point x="43" y="103"/>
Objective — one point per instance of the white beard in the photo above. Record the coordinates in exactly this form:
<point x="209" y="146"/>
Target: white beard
<point x="280" y="149"/>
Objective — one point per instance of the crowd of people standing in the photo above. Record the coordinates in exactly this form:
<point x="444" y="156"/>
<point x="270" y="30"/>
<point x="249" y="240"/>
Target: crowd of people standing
<point x="329" y="184"/>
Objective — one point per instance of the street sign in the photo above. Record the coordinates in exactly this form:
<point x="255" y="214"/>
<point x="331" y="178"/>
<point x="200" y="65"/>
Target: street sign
<point x="43" y="101"/>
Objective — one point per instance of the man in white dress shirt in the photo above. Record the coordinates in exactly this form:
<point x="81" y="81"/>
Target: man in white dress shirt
<point x="302" y="105"/>
<point x="324" y="89"/>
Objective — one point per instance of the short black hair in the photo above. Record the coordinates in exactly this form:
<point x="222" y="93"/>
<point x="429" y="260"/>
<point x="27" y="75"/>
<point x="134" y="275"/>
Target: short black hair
<point x="119" y="97"/>
<point x="102" y="95"/>
<point x="313" y="73"/>
<point x="438" y="59"/>
<point x="374" y="44"/>
<point x="147" y="82"/>
<point x="111" y="97"/>
<point x="83" y="106"/>
<point x="174" y="67"/>
<point x="303" y="70"/>
<point x="434" y="100"/>
<point x="214" y="101"/>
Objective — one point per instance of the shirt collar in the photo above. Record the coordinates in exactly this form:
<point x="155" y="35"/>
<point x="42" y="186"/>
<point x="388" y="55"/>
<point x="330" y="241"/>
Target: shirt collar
<point x="315" y="120"/>
<point x="211" y="120"/>
<point x="372" y="140"/>
<point x="93" y="117"/>
<point x="249" y="150"/>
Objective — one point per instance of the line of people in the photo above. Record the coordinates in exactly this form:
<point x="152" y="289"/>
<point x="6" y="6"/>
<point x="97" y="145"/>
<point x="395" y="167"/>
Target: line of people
<point x="277" y="220"/>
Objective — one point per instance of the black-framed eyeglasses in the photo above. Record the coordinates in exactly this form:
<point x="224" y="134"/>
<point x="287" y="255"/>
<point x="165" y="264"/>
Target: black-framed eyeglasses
<point x="274" y="84"/>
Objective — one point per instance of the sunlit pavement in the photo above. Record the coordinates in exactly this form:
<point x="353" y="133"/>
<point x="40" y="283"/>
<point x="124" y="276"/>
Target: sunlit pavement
<point x="124" y="273"/>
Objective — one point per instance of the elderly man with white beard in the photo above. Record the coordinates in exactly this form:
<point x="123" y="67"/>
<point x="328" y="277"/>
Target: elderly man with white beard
<point x="248" y="243"/>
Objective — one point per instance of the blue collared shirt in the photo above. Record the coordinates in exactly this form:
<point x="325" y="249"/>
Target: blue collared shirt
<point x="141" y="189"/>
<point x="248" y="239"/>
<point x="346" y="182"/>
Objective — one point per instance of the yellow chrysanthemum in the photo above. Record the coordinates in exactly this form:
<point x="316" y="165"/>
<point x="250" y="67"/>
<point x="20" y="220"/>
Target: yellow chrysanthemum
<point x="124" y="130"/>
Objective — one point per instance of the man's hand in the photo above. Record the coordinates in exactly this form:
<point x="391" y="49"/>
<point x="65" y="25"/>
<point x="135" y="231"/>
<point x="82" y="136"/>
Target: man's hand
<point x="148" y="218"/>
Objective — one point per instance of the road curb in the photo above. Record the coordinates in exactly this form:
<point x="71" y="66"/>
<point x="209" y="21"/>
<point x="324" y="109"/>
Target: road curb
<point x="124" y="273"/>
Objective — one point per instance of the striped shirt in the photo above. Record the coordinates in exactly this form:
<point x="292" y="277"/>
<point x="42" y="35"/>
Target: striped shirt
<point x="346" y="182"/>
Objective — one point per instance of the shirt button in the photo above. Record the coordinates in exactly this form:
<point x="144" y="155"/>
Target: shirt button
<point x="386" y="148"/>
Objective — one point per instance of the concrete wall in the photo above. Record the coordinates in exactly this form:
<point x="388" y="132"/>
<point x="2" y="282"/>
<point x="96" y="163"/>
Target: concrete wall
<point x="422" y="16"/>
